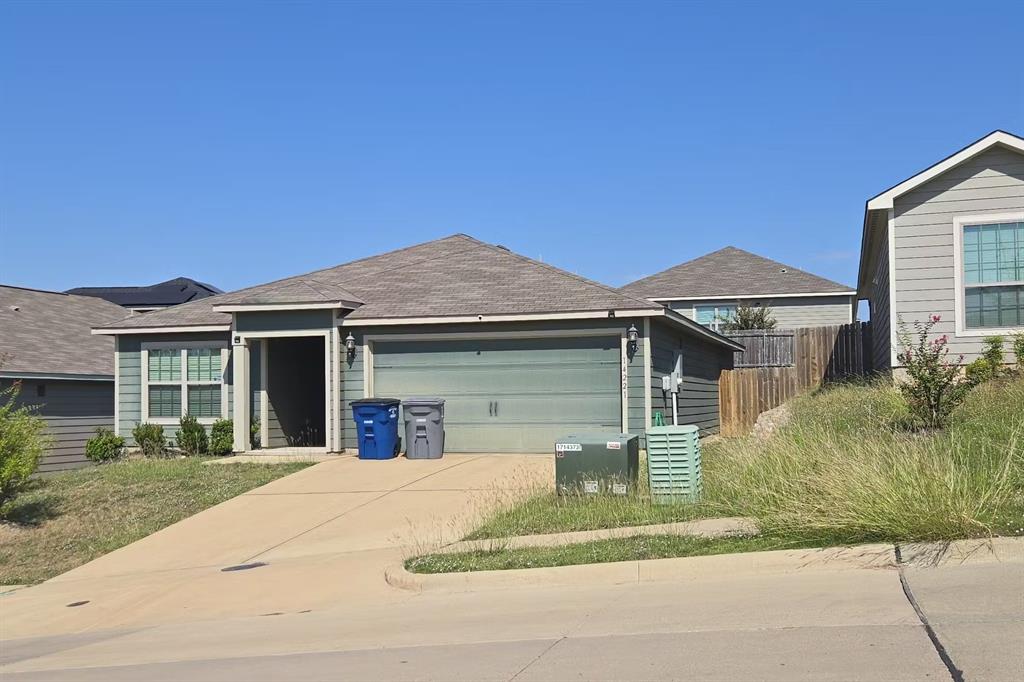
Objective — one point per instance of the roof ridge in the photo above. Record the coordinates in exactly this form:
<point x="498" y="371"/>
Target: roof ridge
<point x="91" y="300"/>
<point x="585" y="280"/>
<point x="40" y="291"/>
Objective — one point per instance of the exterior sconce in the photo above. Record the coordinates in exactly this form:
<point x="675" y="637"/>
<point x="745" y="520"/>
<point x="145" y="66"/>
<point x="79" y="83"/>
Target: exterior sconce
<point x="350" y="346"/>
<point x="632" y="336"/>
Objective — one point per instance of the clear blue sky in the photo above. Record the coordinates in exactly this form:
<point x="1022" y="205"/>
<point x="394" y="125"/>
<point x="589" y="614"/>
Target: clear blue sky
<point x="238" y="143"/>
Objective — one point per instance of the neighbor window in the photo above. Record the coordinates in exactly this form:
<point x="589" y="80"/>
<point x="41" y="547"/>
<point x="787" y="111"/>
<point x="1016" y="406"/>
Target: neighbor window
<point x="196" y="391"/>
<point x="993" y="275"/>
<point x="714" y="316"/>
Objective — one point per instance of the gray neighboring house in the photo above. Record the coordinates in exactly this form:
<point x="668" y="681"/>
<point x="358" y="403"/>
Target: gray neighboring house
<point x="708" y="289"/>
<point x="522" y="352"/>
<point x="152" y="297"/>
<point x="949" y="241"/>
<point x="64" y="369"/>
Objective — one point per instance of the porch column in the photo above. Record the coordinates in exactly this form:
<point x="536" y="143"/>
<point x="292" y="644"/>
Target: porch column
<point x="240" y="369"/>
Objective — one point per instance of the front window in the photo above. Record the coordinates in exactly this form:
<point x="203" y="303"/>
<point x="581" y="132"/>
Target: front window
<point x="714" y="316"/>
<point x="993" y="275"/>
<point x="171" y="392"/>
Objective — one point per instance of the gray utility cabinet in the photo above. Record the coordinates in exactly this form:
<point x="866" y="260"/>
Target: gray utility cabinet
<point x="424" y="428"/>
<point x="592" y="463"/>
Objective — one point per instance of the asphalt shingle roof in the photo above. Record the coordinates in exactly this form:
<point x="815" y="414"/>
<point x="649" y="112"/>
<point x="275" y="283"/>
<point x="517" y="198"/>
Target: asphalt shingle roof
<point x="453" y="276"/>
<point x="296" y="291"/>
<point x="49" y="332"/>
<point x="731" y="272"/>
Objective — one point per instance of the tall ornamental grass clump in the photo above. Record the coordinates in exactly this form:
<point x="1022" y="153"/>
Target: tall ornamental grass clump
<point x="844" y="471"/>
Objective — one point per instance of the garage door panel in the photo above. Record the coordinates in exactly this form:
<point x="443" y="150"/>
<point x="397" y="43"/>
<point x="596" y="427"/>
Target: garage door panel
<point x="507" y="438"/>
<point x="527" y="380"/>
<point x="508" y="395"/>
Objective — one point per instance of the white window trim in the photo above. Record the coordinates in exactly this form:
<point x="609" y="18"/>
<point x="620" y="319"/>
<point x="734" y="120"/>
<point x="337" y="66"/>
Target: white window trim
<point x="183" y="382"/>
<point x="960" y="310"/>
<point x="716" y="323"/>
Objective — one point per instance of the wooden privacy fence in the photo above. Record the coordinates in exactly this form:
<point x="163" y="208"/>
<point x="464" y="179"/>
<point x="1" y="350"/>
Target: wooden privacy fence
<point x="815" y="355"/>
<point x="764" y="348"/>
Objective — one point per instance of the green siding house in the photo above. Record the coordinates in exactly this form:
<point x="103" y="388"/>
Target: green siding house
<point x="521" y="351"/>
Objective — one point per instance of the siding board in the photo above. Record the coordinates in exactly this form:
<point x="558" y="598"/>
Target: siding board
<point x="72" y="410"/>
<point x="992" y="182"/>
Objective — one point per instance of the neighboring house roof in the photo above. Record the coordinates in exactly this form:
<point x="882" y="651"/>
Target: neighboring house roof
<point x="450" y="277"/>
<point x="172" y="292"/>
<point x="48" y="333"/>
<point x="731" y="273"/>
<point x="877" y="207"/>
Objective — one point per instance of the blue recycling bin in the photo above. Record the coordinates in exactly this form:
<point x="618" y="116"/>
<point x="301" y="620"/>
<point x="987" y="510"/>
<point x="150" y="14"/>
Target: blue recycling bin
<point x="376" y="427"/>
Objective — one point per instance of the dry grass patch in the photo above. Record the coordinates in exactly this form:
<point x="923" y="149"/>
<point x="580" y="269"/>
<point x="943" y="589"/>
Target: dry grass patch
<point x="68" y="519"/>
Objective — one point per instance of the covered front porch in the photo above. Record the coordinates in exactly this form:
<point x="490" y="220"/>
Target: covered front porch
<point x="284" y="393"/>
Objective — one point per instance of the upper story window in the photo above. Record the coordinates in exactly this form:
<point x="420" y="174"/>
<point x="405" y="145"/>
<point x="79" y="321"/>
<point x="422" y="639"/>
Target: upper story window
<point x="184" y="381"/>
<point x="993" y="275"/>
<point x="714" y="316"/>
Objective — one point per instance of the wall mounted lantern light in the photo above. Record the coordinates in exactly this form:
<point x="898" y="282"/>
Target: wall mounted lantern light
<point x="632" y="336"/>
<point x="350" y="346"/>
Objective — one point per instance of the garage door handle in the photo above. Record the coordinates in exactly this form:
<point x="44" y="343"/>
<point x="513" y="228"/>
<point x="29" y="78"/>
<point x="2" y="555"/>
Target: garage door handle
<point x="495" y="408"/>
<point x="490" y="408"/>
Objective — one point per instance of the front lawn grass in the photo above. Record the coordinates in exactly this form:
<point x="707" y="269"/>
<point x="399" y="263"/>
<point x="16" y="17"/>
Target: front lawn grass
<point x="546" y="512"/>
<point x="597" y="552"/>
<point x="843" y="471"/>
<point x="65" y="520"/>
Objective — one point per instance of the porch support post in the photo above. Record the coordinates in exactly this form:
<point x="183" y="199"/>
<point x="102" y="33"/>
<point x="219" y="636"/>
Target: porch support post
<point x="240" y="367"/>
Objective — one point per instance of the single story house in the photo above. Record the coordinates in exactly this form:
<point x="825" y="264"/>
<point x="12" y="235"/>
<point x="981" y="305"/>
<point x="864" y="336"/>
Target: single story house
<point x="522" y="352"/>
<point x="708" y="290"/>
<point x="46" y="344"/>
<point x="152" y="297"/>
<point x="948" y="241"/>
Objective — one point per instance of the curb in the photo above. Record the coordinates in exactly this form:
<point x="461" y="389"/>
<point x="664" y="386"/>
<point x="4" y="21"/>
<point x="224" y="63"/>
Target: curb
<point x="707" y="528"/>
<point x="925" y="555"/>
<point x="714" y="567"/>
<point x="963" y="552"/>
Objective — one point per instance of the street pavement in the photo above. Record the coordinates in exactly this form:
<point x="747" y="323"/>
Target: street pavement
<point x="846" y="624"/>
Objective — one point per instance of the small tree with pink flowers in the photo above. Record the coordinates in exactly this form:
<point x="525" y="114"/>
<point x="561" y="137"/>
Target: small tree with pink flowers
<point x="934" y="385"/>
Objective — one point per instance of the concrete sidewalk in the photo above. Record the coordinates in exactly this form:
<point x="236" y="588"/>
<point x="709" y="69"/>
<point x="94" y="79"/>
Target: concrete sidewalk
<point x="324" y="535"/>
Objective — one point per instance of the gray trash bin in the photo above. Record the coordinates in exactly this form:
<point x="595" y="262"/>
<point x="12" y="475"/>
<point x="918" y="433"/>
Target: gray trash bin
<point x="424" y="428"/>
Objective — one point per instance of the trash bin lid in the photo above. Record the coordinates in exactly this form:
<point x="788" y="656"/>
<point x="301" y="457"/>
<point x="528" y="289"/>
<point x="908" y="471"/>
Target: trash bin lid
<point x="427" y="402"/>
<point x="382" y="402"/>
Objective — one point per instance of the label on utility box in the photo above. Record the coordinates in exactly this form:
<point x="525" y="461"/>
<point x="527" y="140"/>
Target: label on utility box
<point x="568" y="447"/>
<point x="613" y="445"/>
<point x="421" y="421"/>
<point x="618" y="488"/>
<point x="590" y="486"/>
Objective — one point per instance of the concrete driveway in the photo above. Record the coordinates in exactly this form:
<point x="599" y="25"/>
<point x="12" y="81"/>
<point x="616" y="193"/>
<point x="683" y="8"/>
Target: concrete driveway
<point x="323" y="534"/>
